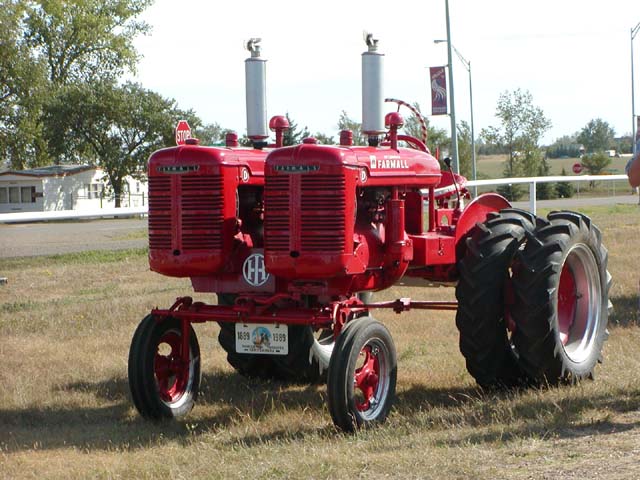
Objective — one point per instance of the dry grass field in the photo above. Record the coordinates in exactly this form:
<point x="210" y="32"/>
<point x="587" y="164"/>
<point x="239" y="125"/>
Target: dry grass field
<point x="65" y="327"/>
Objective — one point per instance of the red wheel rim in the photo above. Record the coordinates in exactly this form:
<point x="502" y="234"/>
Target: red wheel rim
<point x="566" y="303"/>
<point x="172" y="376"/>
<point x="579" y="308"/>
<point x="366" y="378"/>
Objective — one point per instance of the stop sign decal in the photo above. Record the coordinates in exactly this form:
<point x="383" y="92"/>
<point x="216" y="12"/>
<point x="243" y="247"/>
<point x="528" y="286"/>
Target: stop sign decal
<point x="183" y="132"/>
<point x="577" y="168"/>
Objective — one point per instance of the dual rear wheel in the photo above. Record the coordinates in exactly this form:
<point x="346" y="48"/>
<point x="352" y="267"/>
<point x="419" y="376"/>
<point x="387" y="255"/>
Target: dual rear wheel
<point x="533" y="299"/>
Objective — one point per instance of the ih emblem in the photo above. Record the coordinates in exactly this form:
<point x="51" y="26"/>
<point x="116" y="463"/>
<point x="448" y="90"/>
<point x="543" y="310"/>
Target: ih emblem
<point x="254" y="271"/>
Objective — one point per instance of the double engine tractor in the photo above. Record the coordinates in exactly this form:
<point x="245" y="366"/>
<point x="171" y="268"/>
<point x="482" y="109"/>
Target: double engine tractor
<point x="292" y="240"/>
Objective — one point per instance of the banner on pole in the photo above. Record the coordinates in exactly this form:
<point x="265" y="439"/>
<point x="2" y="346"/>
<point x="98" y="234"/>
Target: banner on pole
<point x="438" y="91"/>
<point x="637" y="128"/>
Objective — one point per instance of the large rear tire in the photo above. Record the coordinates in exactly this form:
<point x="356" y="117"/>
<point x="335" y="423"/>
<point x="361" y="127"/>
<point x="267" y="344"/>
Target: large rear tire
<point x="484" y="279"/>
<point x="562" y="290"/>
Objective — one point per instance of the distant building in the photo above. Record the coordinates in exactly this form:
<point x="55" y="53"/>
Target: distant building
<point x="63" y="187"/>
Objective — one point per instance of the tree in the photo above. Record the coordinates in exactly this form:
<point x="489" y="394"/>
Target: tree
<point x="114" y="127"/>
<point x="545" y="191"/>
<point x="437" y="138"/>
<point x="522" y="127"/>
<point x="566" y="146"/>
<point x="22" y="81"/>
<point x="210" y="133"/>
<point x="84" y="40"/>
<point x="347" y="123"/>
<point x="597" y="136"/>
<point x="624" y="144"/>
<point x="595" y="163"/>
<point x="294" y="136"/>
<point x="464" y="149"/>
<point x="47" y="44"/>
<point x="324" y="139"/>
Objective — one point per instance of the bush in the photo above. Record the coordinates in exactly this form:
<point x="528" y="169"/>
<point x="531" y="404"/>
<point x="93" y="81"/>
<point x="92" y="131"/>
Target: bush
<point x="511" y="192"/>
<point x="565" y="189"/>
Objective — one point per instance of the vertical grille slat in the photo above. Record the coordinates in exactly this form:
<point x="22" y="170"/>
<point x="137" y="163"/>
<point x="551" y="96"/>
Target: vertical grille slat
<point x="160" y="213"/>
<point x="323" y="205"/>
<point x="276" y="203"/>
<point x="198" y="211"/>
<point x="202" y="216"/>
<point x="321" y="213"/>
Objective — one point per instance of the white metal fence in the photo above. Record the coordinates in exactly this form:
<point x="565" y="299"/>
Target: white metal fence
<point x="143" y="210"/>
<point x="534" y="181"/>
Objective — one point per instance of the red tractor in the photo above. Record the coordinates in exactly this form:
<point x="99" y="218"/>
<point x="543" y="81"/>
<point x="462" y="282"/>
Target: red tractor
<point x="290" y="257"/>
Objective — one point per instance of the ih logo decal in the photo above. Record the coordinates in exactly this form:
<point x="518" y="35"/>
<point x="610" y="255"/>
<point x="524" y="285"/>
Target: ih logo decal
<point x="253" y="270"/>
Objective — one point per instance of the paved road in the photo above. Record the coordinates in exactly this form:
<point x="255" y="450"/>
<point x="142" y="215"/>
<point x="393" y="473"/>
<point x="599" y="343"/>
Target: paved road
<point x="29" y="239"/>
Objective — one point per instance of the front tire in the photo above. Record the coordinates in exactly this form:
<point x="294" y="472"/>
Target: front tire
<point x="161" y="385"/>
<point x="362" y="375"/>
<point x="562" y="289"/>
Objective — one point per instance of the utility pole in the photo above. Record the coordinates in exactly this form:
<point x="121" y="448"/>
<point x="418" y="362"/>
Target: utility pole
<point x="634" y="32"/>
<point x="454" y="133"/>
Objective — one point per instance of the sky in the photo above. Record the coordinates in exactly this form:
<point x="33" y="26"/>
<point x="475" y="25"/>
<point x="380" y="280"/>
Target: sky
<point x="574" y="57"/>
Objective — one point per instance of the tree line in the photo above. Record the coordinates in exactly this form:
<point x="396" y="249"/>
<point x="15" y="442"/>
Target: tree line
<point x="63" y="100"/>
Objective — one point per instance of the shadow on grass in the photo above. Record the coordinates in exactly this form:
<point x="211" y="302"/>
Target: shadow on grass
<point x="625" y="311"/>
<point x="117" y="424"/>
<point x="228" y="399"/>
<point x="537" y="413"/>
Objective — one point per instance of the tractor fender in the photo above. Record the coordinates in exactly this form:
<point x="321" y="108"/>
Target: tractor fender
<point x="475" y="212"/>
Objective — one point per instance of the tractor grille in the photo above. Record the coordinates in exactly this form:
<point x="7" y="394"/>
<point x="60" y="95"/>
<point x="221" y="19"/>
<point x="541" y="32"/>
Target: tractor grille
<point x="276" y="224"/>
<point x="321" y="213"/>
<point x="198" y="212"/>
<point x="160" y="213"/>
<point x="202" y="217"/>
<point x="323" y="210"/>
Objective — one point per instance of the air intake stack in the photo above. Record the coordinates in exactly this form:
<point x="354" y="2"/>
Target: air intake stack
<point x="372" y="90"/>
<point x="255" y="74"/>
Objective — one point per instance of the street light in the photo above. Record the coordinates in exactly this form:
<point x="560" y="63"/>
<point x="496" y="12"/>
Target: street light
<point x="467" y="66"/>
<point x="634" y="32"/>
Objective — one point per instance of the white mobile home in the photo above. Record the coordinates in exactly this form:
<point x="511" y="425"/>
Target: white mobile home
<point x="62" y="187"/>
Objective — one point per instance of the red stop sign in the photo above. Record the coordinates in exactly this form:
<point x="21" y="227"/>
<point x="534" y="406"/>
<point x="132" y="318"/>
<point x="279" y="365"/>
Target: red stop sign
<point x="183" y="132"/>
<point x="577" y="167"/>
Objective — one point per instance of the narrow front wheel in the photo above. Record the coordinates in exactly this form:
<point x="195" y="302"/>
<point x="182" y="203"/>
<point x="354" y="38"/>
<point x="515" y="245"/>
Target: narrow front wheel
<point x="362" y="375"/>
<point x="163" y="385"/>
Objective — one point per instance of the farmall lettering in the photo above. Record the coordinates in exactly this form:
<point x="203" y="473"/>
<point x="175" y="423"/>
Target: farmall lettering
<point x="388" y="162"/>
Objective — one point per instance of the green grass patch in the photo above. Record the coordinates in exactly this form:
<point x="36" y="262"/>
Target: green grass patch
<point x="133" y="235"/>
<point x="91" y="257"/>
<point x="591" y="211"/>
<point x="15" y="307"/>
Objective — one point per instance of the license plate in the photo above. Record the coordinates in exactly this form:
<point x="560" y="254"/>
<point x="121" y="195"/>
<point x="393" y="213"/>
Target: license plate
<point x="262" y="338"/>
